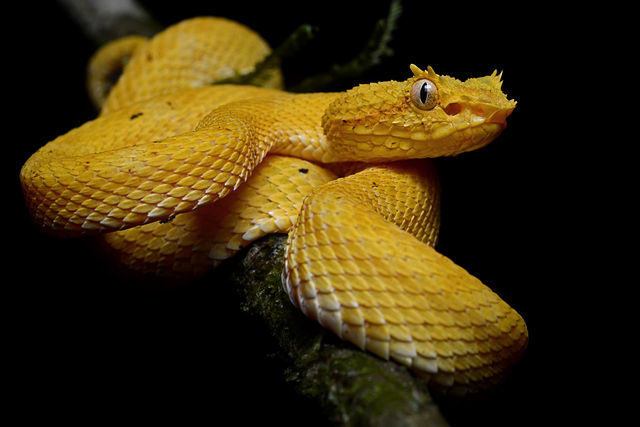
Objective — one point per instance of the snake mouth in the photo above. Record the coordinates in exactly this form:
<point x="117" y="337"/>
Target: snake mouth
<point x="466" y="127"/>
<point x="481" y="114"/>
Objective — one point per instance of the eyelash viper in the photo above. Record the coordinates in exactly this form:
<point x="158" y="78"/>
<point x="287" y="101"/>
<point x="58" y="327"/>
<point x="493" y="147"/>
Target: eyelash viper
<point x="179" y="174"/>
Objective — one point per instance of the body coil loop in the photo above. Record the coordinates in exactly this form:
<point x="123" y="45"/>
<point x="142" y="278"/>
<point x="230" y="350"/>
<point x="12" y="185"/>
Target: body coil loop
<point x="180" y="175"/>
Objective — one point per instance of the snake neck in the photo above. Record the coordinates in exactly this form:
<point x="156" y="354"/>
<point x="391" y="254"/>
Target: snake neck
<point x="280" y="123"/>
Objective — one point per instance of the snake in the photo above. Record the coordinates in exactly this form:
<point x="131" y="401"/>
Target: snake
<point x="177" y="174"/>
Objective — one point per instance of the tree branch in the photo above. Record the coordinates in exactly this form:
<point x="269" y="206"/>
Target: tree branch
<point x="374" y="52"/>
<point x="351" y="387"/>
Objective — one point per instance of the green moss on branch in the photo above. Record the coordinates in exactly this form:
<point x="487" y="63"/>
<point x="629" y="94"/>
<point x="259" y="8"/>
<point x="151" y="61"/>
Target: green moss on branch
<point x="351" y="387"/>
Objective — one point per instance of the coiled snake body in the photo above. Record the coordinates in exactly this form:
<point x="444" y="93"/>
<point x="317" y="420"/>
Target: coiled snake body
<point x="180" y="174"/>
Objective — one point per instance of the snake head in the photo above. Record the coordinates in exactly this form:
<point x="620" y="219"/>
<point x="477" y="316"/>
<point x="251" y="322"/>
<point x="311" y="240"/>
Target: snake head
<point x="427" y="115"/>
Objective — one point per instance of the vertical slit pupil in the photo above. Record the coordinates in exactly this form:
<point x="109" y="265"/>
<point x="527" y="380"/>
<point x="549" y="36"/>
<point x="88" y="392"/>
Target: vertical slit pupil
<point x="424" y="92"/>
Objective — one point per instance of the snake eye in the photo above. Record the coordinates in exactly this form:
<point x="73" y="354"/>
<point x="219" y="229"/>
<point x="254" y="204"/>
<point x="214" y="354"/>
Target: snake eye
<point x="424" y="94"/>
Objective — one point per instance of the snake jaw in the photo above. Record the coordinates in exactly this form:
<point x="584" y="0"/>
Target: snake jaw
<point x="382" y="122"/>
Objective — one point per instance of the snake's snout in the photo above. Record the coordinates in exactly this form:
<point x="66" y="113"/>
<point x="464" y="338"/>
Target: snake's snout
<point x="477" y="101"/>
<point x="477" y="117"/>
<point x="499" y="116"/>
<point x="492" y="114"/>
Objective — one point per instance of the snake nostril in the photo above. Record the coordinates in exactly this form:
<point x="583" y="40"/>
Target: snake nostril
<point x="453" y="109"/>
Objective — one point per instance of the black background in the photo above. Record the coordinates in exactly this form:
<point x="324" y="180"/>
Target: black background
<point x="89" y="344"/>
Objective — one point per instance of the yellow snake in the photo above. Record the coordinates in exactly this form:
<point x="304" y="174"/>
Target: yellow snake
<point x="181" y="174"/>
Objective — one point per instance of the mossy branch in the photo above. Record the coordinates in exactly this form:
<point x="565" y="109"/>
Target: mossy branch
<point x="350" y="386"/>
<point x="375" y="51"/>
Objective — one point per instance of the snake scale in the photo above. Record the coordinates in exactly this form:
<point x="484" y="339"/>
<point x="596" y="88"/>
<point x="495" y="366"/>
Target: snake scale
<point x="176" y="175"/>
